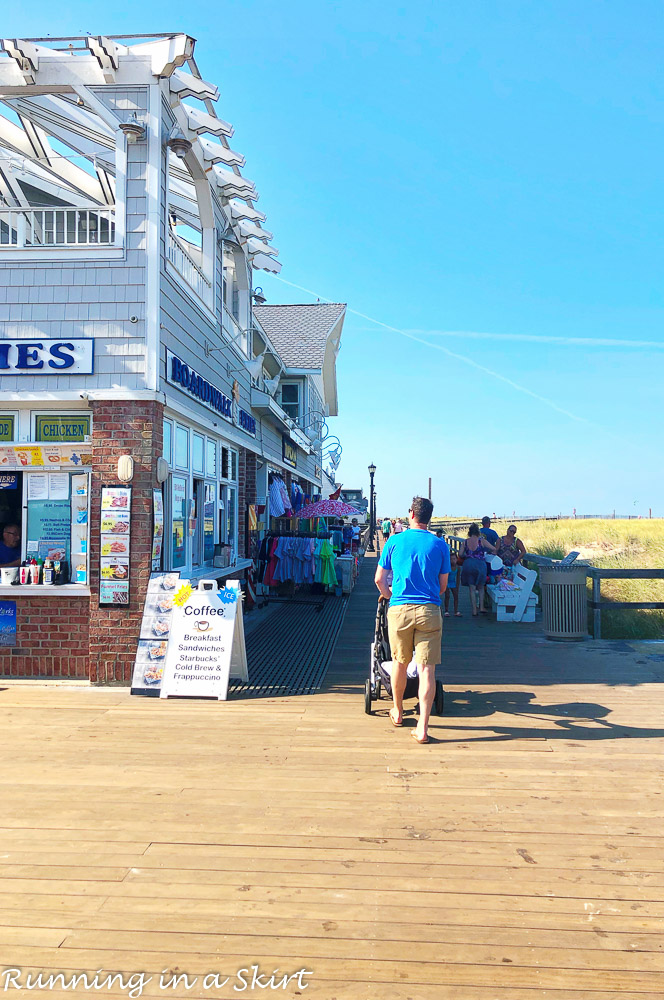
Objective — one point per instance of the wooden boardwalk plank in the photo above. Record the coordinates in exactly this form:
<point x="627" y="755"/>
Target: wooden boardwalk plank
<point x="520" y="855"/>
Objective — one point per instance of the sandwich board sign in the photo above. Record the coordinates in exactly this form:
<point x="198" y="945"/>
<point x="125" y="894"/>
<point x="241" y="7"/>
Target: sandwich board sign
<point x="206" y="643"/>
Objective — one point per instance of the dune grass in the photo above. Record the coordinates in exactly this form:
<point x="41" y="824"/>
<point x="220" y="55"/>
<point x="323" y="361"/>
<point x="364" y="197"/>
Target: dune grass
<point x="608" y="544"/>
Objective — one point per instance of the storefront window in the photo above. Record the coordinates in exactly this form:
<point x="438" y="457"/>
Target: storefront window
<point x="179" y="522"/>
<point x="168" y="441"/>
<point x="45" y="515"/>
<point x="208" y="523"/>
<point x="181" y="447"/>
<point x="211" y="458"/>
<point x="7" y="425"/>
<point x="62" y="426"/>
<point x="234" y="466"/>
<point x="197" y="453"/>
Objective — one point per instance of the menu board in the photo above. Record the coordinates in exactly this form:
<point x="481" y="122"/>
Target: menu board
<point x="157" y="527"/>
<point x="114" y="542"/>
<point x="49" y="529"/>
<point x="25" y="456"/>
<point x="198" y="660"/>
<point x="155" y="633"/>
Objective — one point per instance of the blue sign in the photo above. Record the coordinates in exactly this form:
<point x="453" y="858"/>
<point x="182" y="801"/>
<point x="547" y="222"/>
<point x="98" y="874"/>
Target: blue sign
<point x="247" y="422"/>
<point x="8" y="482"/>
<point x="185" y="378"/>
<point x="7" y="623"/>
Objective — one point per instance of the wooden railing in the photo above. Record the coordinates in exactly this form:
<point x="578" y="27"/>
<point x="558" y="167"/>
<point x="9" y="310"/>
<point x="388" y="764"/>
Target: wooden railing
<point x="56" y="227"/>
<point x="596" y="574"/>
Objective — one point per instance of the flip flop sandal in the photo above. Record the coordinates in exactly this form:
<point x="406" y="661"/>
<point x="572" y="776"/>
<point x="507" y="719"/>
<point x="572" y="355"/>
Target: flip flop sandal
<point x="417" y="739"/>
<point x="395" y="724"/>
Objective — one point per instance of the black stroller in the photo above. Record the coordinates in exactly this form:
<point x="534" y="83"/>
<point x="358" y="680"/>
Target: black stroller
<point x="381" y="659"/>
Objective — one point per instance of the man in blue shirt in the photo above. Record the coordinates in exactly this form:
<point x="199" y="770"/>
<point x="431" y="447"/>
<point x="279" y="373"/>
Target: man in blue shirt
<point x="487" y="531"/>
<point x="420" y="563"/>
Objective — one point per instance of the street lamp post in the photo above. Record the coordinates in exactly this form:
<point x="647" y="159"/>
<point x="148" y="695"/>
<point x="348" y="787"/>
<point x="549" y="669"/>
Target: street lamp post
<point x="372" y="509"/>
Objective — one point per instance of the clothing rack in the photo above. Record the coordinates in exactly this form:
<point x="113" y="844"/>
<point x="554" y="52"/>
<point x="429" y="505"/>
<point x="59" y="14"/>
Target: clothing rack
<point x="300" y="534"/>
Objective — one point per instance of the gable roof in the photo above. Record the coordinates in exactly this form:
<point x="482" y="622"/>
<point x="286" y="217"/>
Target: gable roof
<point x="300" y="333"/>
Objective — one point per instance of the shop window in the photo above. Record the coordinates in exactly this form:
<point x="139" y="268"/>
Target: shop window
<point x="198" y="453"/>
<point x="228" y="520"/>
<point x="225" y="472"/>
<point x="290" y="399"/>
<point x="211" y="458"/>
<point x="181" y="447"/>
<point x="62" y="426"/>
<point x="179" y="522"/>
<point x="44" y="517"/>
<point x="208" y="523"/>
<point x="234" y="460"/>
<point x="8" y="427"/>
<point x="168" y="441"/>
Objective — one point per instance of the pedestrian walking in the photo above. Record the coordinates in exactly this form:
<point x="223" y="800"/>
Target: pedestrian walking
<point x="420" y="564"/>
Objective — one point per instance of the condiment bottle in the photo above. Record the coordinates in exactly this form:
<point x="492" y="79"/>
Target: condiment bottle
<point x="49" y="573"/>
<point x="34" y="571"/>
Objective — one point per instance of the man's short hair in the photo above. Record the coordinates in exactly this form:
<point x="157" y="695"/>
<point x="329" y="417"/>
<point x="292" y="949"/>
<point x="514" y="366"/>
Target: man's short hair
<point x="486" y="520"/>
<point x="421" y="509"/>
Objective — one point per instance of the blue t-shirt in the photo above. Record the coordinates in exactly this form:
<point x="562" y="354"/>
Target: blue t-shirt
<point x="416" y="558"/>
<point x="8" y="555"/>
<point x="490" y="535"/>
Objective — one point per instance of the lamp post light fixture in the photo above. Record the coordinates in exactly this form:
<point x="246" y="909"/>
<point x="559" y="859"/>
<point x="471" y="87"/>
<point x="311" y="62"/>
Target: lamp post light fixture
<point x="372" y="509"/>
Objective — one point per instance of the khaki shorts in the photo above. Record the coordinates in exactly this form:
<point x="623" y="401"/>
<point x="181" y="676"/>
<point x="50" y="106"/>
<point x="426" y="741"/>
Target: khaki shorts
<point x="415" y="628"/>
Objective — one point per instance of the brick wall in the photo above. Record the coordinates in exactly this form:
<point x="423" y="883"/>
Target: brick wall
<point x="122" y="427"/>
<point x="51" y="638"/>
<point x="246" y="493"/>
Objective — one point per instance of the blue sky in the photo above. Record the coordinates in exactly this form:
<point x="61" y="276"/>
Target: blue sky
<point x="451" y="169"/>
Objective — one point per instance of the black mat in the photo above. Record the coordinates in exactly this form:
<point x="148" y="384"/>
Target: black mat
<point x="289" y="652"/>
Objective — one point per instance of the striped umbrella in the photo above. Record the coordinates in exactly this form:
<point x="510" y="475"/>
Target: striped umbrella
<point x="328" y="508"/>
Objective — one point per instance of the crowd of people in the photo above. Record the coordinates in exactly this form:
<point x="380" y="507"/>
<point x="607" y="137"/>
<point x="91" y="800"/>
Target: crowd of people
<point x="417" y="574"/>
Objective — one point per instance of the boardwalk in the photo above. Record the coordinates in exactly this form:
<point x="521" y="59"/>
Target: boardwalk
<point x="518" y="856"/>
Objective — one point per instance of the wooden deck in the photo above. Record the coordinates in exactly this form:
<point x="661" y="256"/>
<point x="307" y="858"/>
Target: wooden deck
<point x="519" y="856"/>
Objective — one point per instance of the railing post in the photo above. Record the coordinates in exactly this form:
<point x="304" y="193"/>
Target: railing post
<point x="21" y="223"/>
<point x="597" y="612"/>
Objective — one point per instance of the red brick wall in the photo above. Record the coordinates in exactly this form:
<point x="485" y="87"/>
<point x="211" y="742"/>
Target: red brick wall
<point x="51" y="638"/>
<point x="122" y="427"/>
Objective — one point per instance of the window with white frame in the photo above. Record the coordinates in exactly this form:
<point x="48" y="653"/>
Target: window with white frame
<point x="181" y="447"/>
<point x="291" y="399"/>
<point x="167" y="448"/>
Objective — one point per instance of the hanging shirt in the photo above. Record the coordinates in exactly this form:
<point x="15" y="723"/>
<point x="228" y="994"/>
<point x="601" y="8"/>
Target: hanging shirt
<point x="276" y="500"/>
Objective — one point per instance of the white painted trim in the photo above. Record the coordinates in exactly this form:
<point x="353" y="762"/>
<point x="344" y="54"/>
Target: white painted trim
<point x="153" y="245"/>
<point x="68" y="590"/>
<point x="40" y="255"/>
<point x="120" y="188"/>
<point x="25" y="398"/>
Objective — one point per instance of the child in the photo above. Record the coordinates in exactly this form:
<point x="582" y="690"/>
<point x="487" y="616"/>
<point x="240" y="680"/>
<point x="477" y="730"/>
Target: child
<point x="453" y="587"/>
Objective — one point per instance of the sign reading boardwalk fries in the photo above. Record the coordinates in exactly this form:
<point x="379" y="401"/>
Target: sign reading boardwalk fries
<point x="206" y="643"/>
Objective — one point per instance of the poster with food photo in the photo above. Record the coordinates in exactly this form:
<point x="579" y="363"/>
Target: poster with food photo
<point x="114" y="555"/>
<point x="155" y="633"/>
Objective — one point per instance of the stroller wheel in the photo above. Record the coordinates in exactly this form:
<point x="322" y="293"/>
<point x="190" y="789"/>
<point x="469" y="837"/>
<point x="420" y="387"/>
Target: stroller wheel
<point x="439" y="700"/>
<point x="367" y="696"/>
<point x="379" y="690"/>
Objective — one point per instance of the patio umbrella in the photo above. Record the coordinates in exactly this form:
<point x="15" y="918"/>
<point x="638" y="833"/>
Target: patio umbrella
<point x="328" y="508"/>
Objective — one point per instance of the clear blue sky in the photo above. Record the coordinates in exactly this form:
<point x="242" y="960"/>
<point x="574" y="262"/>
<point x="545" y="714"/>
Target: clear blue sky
<point x="456" y="169"/>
